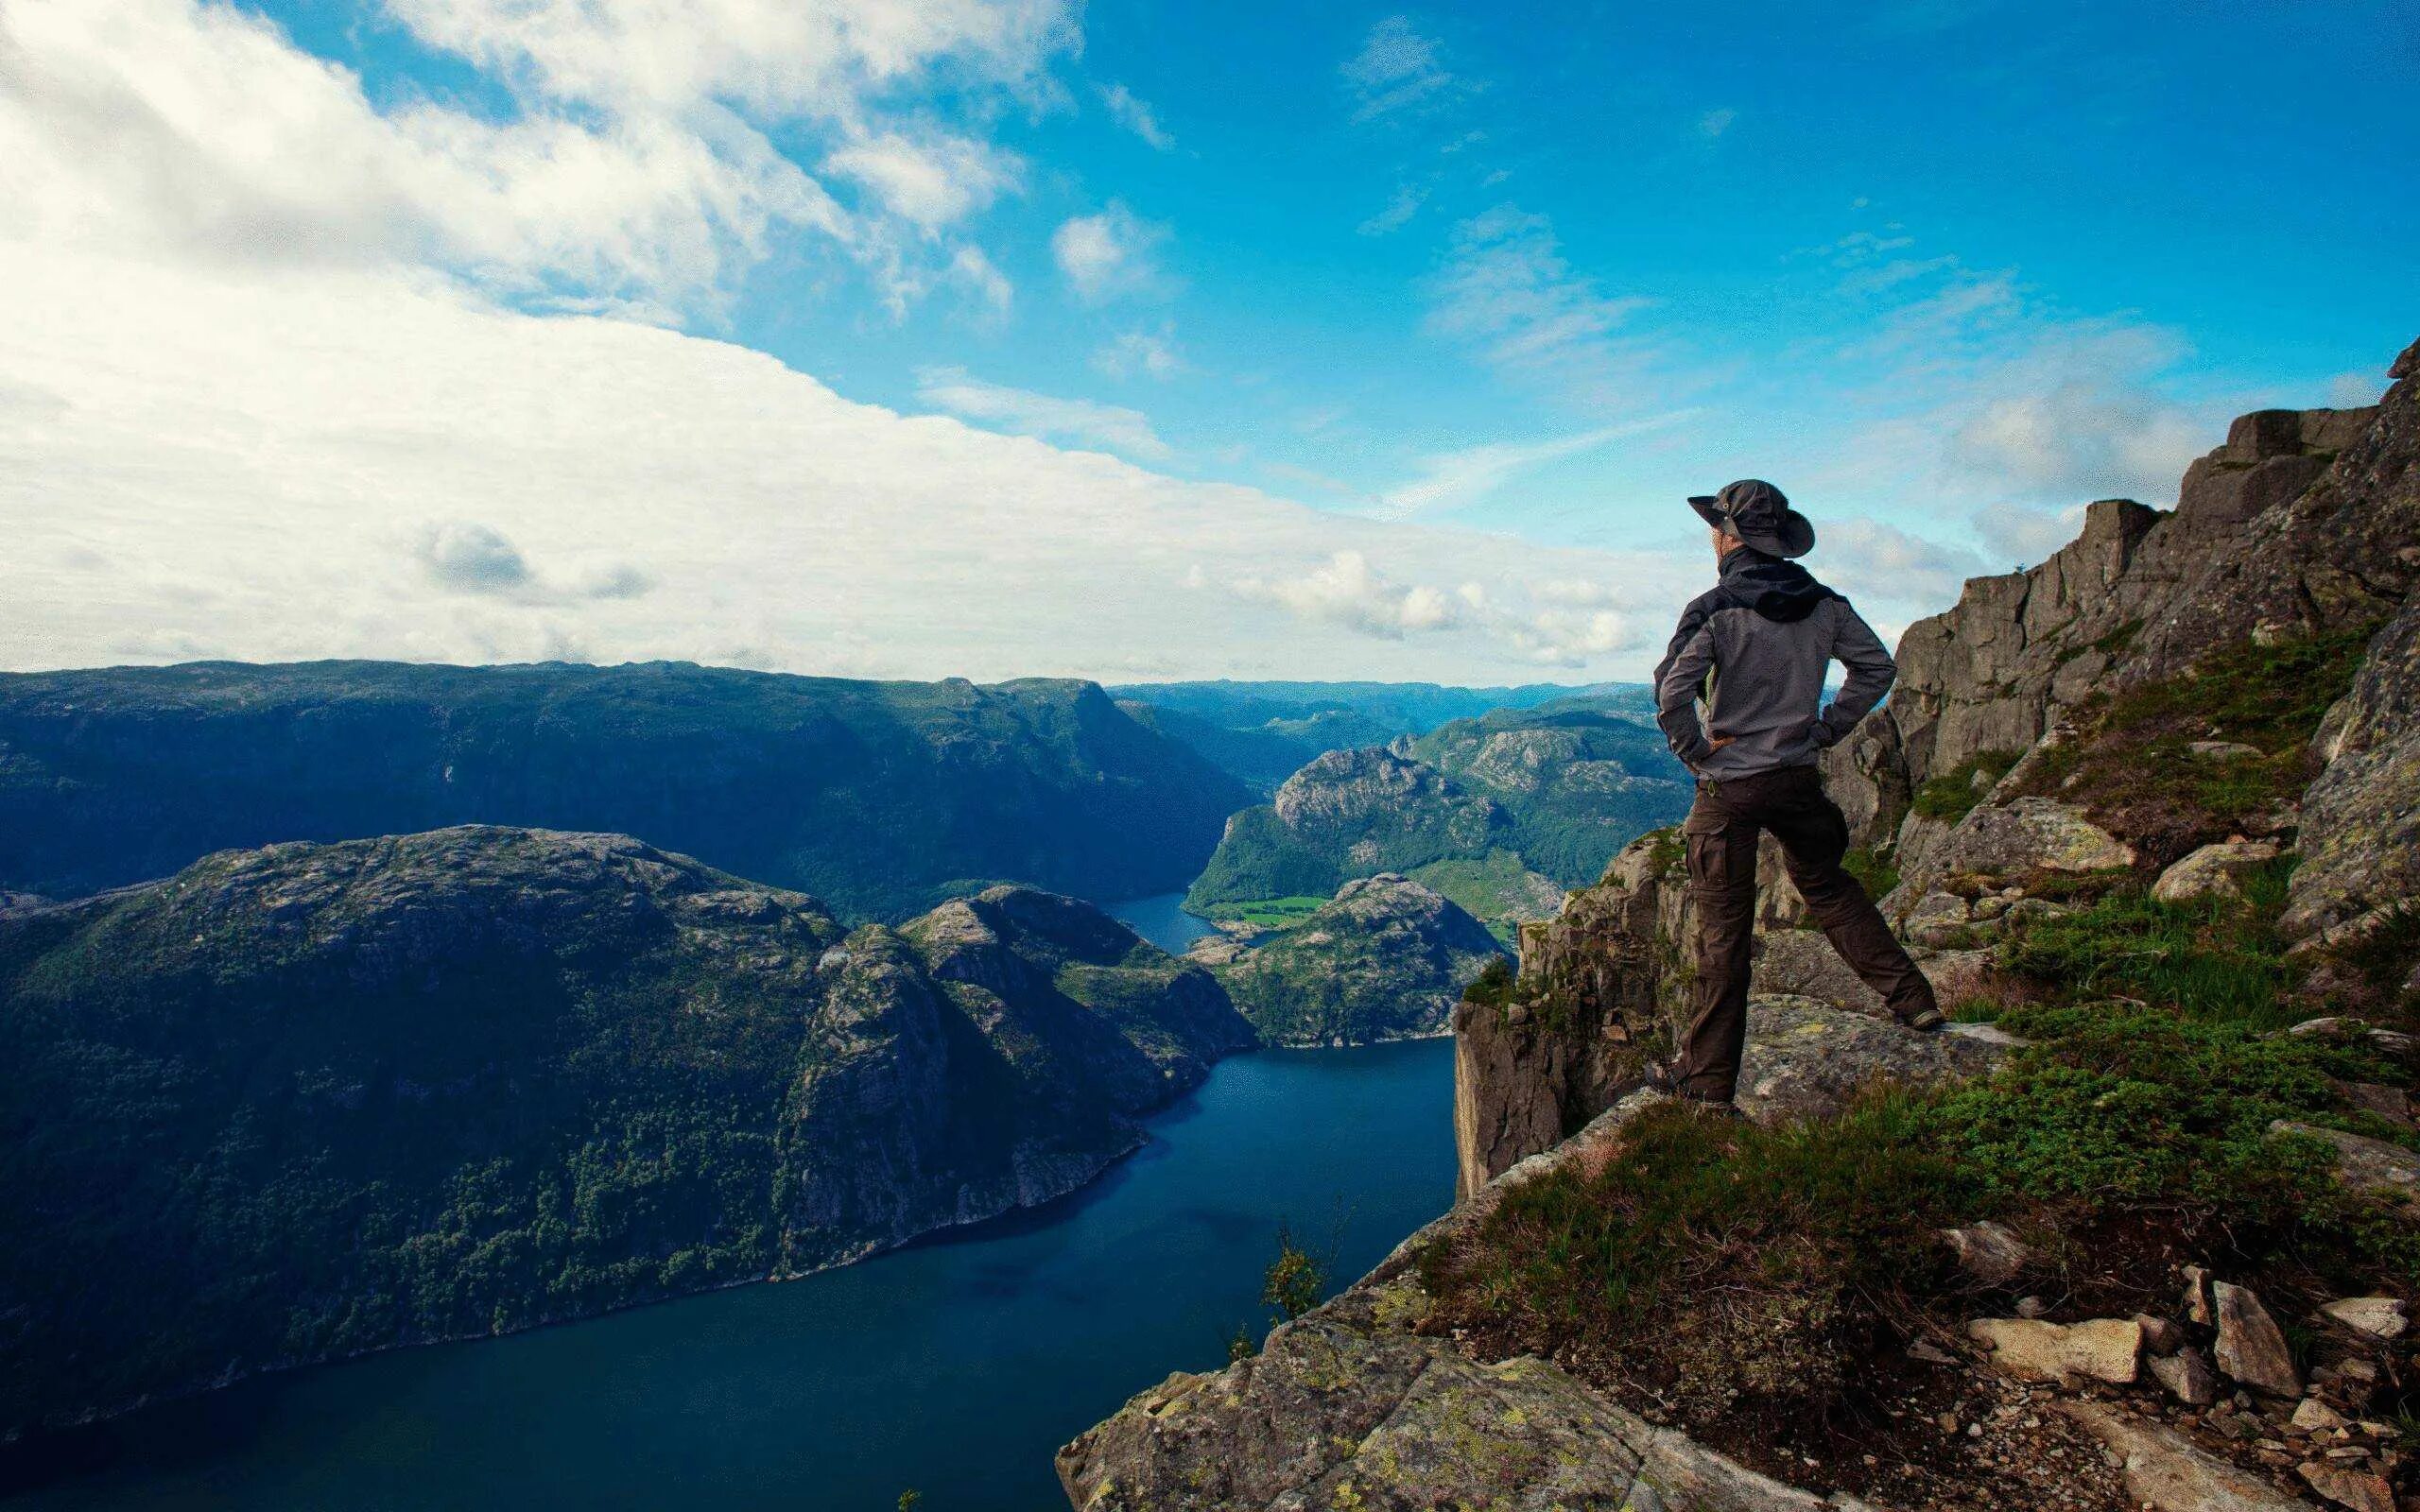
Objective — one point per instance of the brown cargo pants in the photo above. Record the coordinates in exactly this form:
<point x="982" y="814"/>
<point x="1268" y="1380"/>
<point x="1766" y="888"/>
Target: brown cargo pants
<point x="1720" y="836"/>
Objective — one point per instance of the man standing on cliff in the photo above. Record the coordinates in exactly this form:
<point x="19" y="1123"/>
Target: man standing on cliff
<point x="1752" y="653"/>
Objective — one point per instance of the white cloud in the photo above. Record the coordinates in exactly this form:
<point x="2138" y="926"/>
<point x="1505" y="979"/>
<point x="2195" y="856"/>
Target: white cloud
<point x="246" y="473"/>
<point x="1714" y="123"/>
<point x="1127" y="432"/>
<point x="930" y="180"/>
<point x="2088" y="437"/>
<point x="1345" y="589"/>
<point x="634" y="171"/>
<point x="1406" y="204"/>
<point x="1507" y="290"/>
<point x="1108" y="255"/>
<point x="465" y="557"/>
<point x="1397" y="69"/>
<point x="1450" y="480"/>
<point x="2019" y="535"/>
<point x="1150" y="353"/>
<point x="989" y="288"/>
<point x="1132" y="111"/>
<point x="1870" y="559"/>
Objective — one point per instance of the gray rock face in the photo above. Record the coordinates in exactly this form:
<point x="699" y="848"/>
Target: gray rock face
<point x="2360" y="824"/>
<point x="1386" y="958"/>
<point x="2367" y="1166"/>
<point x="2024" y="835"/>
<point x="1805" y="1059"/>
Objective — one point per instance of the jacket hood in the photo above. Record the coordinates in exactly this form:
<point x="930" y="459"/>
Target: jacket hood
<point x="1780" y="591"/>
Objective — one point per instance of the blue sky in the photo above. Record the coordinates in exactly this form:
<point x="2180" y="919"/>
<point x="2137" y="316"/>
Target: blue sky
<point x="1411" y="326"/>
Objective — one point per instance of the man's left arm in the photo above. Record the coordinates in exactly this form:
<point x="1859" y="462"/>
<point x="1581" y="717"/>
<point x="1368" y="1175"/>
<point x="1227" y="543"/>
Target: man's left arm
<point x="1678" y="678"/>
<point x="1870" y="673"/>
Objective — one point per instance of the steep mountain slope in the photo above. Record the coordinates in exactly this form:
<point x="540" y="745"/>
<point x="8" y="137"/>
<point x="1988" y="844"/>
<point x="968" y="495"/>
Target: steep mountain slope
<point x="1384" y="959"/>
<point x="876" y="796"/>
<point x="308" y="1101"/>
<point x="2139" y="1233"/>
<point x="1497" y="812"/>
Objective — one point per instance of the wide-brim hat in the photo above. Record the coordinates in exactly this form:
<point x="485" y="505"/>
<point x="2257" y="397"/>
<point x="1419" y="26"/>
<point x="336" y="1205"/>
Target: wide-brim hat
<point x="1757" y="513"/>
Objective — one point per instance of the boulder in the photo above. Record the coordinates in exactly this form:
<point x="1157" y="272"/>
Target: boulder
<point x="2165" y="1471"/>
<point x="2214" y="870"/>
<point x="2252" y="1348"/>
<point x="2161" y="1335"/>
<point x="1801" y="963"/>
<point x="2224" y="750"/>
<point x="2380" y="1317"/>
<point x="1805" y="1059"/>
<point x="2197" y="1296"/>
<point x="2362" y="1491"/>
<point x="2313" y="1416"/>
<point x="2367" y="1167"/>
<point x="2106" y="1349"/>
<point x="2187" y="1376"/>
<point x="2021" y="836"/>
<point x="1989" y="1252"/>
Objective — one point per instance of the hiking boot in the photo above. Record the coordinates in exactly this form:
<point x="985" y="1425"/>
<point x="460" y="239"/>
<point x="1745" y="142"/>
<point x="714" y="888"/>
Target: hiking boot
<point x="1726" y="1109"/>
<point x="1926" y="1021"/>
<point x="1661" y="1077"/>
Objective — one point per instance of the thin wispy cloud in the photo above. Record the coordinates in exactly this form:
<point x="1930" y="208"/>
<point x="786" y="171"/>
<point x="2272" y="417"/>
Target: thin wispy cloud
<point x="1083" y="421"/>
<point x="1132" y="111"/>
<point x="1453" y="480"/>
<point x="1508" y="293"/>
<point x="1397" y="69"/>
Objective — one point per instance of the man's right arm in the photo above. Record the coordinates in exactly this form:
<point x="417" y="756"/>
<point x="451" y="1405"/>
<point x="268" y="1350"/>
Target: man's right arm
<point x="1678" y="678"/>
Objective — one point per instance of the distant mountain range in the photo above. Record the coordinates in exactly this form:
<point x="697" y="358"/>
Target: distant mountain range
<point x="1260" y="732"/>
<point x="1499" y="813"/>
<point x="879" y="798"/>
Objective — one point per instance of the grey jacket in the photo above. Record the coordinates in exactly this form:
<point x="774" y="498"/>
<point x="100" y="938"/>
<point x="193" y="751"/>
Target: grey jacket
<point x="1753" y="651"/>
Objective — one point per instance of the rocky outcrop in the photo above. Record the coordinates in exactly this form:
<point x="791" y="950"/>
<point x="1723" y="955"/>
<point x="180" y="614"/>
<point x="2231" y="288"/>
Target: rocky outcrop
<point x="1385" y="959"/>
<point x="309" y="1100"/>
<point x="1349" y="1406"/>
<point x="2361" y="828"/>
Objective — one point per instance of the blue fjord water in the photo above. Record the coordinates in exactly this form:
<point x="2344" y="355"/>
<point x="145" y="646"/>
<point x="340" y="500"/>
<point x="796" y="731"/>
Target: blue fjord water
<point x="953" y="1367"/>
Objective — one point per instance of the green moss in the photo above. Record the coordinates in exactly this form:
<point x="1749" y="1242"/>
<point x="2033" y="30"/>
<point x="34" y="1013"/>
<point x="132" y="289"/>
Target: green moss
<point x="1874" y="873"/>
<point x="1953" y="794"/>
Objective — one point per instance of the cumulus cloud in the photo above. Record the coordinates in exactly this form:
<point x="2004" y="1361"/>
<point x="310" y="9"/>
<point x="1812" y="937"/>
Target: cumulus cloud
<point x="635" y="170"/>
<point x="1127" y="432"/>
<point x="1397" y="69"/>
<point x="1132" y="111"/>
<point x="929" y="179"/>
<point x="228" y="483"/>
<point x="1507" y="291"/>
<point x="1345" y="589"/>
<point x="465" y="557"/>
<point x="2082" y="438"/>
<point x="1872" y="559"/>
<point x="1107" y="255"/>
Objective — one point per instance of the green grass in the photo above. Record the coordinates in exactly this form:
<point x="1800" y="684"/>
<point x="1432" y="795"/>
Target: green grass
<point x="1875" y="875"/>
<point x="1268" y="913"/>
<point x="1498" y="888"/>
<point x="1711" y="1257"/>
<point x="1954" y="794"/>
<point x="2131" y="761"/>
